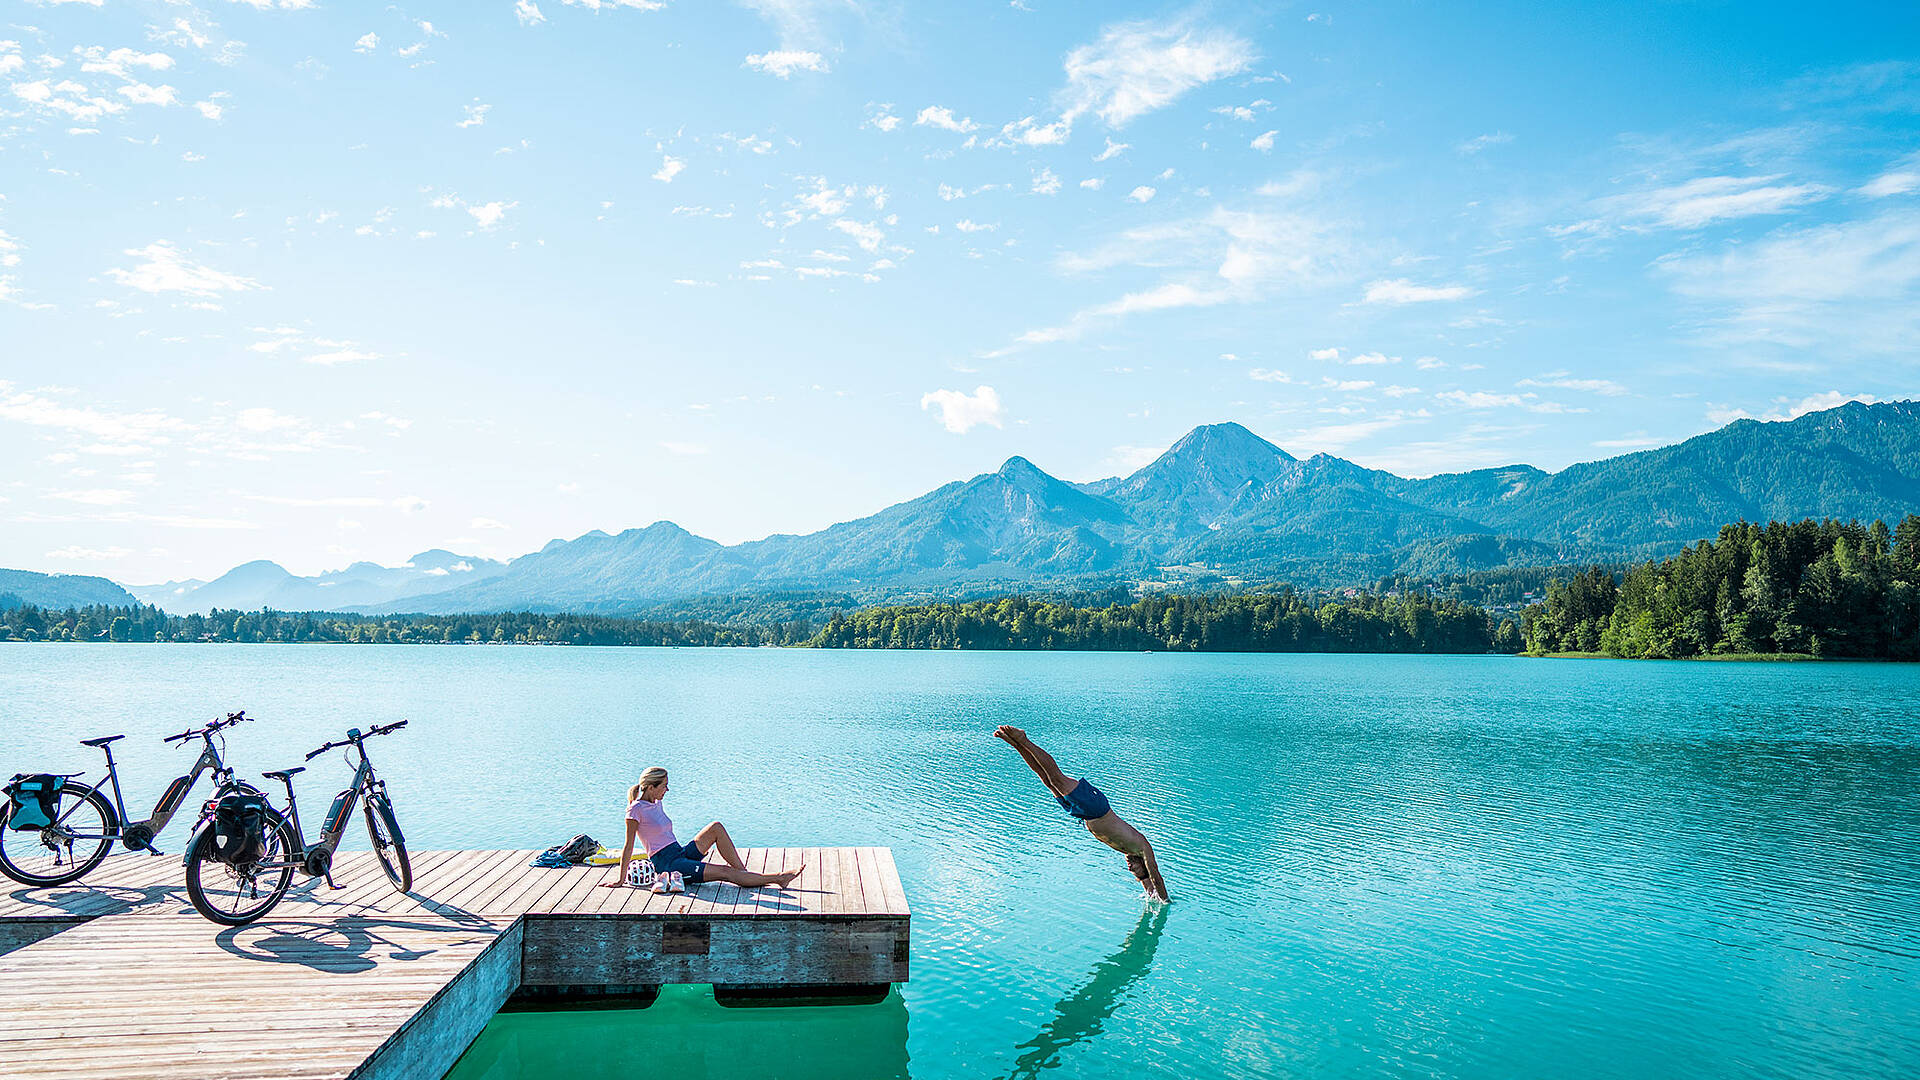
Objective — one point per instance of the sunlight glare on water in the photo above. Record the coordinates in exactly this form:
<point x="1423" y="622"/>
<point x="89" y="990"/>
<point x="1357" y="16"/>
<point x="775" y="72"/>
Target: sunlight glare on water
<point x="1401" y="866"/>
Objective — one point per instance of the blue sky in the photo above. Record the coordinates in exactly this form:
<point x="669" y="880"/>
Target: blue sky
<point x="320" y="282"/>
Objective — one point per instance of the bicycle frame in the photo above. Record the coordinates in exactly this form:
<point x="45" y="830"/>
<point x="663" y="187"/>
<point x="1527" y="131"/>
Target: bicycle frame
<point x="333" y="828"/>
<point x="139" y="834"/>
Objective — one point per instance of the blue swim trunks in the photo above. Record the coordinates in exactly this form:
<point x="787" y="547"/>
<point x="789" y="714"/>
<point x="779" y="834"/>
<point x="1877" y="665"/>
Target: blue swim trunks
<point x="685" y="859"/>
<point x="1085" y="802"/>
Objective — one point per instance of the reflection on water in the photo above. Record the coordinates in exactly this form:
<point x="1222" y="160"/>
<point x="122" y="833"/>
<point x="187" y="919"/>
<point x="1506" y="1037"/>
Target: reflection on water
<point x="685" y="1036"/>
<point x="1080" y="1017"/>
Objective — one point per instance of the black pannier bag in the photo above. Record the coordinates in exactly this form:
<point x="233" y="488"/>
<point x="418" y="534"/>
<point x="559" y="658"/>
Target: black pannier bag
<point x="35" y="798"/>
<point x="240" y="821"/>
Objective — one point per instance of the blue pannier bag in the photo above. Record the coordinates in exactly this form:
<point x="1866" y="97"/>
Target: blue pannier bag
<point x="35" y="799"/>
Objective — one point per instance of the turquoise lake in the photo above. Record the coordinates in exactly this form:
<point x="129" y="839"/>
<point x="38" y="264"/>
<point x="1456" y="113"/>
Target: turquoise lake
<point x="1381" y="865"/>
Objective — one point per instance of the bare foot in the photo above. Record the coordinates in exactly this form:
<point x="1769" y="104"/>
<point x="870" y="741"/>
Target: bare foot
<point x="1009" y="733"/>
<point x="785" y="877"/>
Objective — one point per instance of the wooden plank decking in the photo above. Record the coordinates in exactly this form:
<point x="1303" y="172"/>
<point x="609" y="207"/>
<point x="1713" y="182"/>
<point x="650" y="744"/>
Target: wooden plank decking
<point x="117" y="977"/>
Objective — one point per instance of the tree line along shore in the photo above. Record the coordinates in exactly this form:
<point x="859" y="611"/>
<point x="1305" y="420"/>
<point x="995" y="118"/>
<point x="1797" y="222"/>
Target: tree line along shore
<point x="1810" y="588"/>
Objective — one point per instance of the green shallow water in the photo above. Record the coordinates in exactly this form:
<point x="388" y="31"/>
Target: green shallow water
<point x="1383" y="866"/>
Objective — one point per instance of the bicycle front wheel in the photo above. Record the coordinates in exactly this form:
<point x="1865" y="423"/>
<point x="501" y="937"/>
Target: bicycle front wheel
<point x="237" y="895"/>
<point x="388" y="843"/>
<point x="67" y="850"/>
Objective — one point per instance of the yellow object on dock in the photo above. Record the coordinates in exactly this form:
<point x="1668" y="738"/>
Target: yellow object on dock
<point x="116" y="976"/>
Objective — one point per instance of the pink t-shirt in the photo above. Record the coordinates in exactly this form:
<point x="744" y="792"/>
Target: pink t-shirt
<point x="656" y="829"/>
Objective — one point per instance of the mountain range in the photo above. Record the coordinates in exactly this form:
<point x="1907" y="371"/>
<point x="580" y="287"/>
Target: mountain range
<point x="1221" y="505"/>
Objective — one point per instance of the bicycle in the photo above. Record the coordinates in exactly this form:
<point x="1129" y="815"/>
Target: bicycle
<point x="235" y="894"/>
<point x="81" y="816"/>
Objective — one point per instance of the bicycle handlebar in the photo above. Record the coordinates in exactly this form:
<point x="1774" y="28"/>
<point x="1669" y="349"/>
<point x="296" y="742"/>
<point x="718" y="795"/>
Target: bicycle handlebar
<point x="354" y="736"/>
<point x="232" y="719"/>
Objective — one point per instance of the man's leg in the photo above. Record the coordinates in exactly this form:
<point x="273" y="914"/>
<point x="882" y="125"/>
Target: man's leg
<point x="1038" y="760"/>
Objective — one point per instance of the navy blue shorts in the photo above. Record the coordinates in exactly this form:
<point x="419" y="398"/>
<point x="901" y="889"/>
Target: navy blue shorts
<point x="683" y="859"/>
<point x="1085" y="802"/>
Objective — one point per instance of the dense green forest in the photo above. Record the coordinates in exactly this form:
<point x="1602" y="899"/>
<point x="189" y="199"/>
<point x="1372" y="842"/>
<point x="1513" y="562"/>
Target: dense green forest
<point x="1282" y="621"/>
<point x="1821" y="588"/>
<point x="140" y="623"/>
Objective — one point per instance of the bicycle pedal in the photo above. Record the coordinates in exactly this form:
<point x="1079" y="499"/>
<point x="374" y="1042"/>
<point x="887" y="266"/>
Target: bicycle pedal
<point x="154" y="851"/>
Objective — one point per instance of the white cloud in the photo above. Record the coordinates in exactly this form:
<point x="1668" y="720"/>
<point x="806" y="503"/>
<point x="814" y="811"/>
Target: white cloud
<point x="166" y="269"/>
<point x="1141" y="194"/>
<point x="1849" y="286"/>
<point x="1788" y="409"/>
<point x="784" y="62"/>
<point x="94" y="496"/>
<point x="141" y="94"/>
<point x="670" y="167"/>
<point x="1113" y="150"/>
<point x="528" y="12"/>
<point x="1560" y="380"/>
<point x="1402" y="291"/>
<point x="1708" y="199"/>
<point x="67" y="97"/>
<point x="612" y="5"/>
<point x="1264" y="375"/>
<point x="960" y="412"/>
<point x="1029" y="131"/>
<point x="489" y="215"/>
<point x="476" y="116"/>
<point x="1093" y="183"/>
<point x="120" y="62"/>
<point x="77" y="553"/>
<point x="1226" y="256"/>
<point x="866" y="234"/>
<point x="1135" y="68"/>
<point x="1481" y="399"/>
<point x="968" y="225"/>
<point x="212" y="110"/>
<point x="1891" y="183"/>
<point x="340" y="356"/>
<point x="1264" y="143"/>
<point x="486" y="523"/>
<point x="1371" y="358"/>
<point x="1482" y="142"/>
<point x="881" y="117"/>
<point x="367" y="43"/>
<point x="1324" y="354"/>
<point x="941" y="117"/>
<point x="1045" y="182"/>
<point x="37" y="410"/>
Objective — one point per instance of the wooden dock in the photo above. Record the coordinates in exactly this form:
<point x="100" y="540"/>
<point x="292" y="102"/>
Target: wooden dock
<point x="116" y="976"/>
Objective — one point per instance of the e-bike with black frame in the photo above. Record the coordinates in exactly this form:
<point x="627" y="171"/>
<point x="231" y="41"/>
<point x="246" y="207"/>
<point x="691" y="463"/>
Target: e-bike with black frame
<point x="235" y="893"/>
<point x="83" y="825"/>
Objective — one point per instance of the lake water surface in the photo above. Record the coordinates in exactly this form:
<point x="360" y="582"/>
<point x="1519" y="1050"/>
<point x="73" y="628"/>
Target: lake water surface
<point x="1382" y="866"/>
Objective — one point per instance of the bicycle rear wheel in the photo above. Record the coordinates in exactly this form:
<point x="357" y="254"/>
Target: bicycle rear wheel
<point x="237" y="895"/>
<point x="388" y="843"/>
<point x="81" y="836"/>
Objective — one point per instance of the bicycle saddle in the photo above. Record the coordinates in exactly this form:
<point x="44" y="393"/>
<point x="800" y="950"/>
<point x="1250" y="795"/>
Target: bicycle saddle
<point x="101" y="741"/>
<point x="285" y="773"/>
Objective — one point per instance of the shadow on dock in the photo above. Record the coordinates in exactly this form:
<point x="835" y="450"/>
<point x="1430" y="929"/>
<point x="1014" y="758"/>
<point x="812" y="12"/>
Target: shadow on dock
<point x="345" y="944"/>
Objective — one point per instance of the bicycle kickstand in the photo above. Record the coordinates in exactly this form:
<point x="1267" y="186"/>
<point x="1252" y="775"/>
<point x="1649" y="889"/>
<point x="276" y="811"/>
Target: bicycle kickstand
<point x="329" y="877"/>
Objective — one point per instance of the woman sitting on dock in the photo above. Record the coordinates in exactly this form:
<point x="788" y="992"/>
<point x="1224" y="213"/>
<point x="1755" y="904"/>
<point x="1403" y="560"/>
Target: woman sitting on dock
<point x="648" y="822"/>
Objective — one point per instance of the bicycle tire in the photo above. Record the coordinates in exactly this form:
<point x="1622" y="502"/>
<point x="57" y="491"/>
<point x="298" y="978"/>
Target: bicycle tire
<point x="279" y="879"/>
<point x="79" y="868"/>
<point x="389" y="845"/>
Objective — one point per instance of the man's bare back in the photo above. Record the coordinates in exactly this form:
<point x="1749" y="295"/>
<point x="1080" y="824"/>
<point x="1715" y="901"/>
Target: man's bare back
<point x="1086" y="803"/>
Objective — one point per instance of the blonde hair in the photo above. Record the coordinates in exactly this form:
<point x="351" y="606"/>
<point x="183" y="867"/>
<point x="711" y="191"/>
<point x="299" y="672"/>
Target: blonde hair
<point x="652" y="776"/>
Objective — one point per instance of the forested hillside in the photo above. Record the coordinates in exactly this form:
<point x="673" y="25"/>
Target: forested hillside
<point x="1822" y="588"/>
